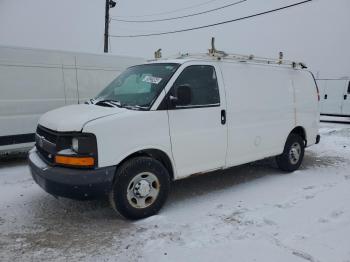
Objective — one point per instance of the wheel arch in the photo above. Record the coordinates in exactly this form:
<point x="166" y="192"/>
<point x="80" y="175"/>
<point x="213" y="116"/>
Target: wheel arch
<point x="299" y="130"/>
<point x="154" y="153"/>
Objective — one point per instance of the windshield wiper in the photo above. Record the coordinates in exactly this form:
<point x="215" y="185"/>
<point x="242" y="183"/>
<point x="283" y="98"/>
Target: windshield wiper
<point x="115" y="103"/>
<point x="135" y="107"/>
<point x="109" y="102"/>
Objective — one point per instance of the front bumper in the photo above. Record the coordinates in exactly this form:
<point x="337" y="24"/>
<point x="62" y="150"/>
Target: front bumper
<point x="81" y="184"/>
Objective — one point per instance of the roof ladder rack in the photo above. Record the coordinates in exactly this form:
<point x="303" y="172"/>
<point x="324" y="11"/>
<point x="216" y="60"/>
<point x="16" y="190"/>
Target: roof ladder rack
<point x="221" y="55"/>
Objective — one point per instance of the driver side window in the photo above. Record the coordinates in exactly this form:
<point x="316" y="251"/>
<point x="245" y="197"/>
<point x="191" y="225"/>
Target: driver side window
<point x="202" y="83"/>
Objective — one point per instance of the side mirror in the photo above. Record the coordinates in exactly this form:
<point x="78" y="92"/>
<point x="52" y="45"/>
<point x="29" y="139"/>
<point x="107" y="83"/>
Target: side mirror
<point x="183" y="96"/>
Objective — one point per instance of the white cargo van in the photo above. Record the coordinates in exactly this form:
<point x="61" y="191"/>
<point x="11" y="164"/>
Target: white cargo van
<point x="34" y="81"/>
<point x="170" y="119"/>
<point x="335" y="97"/>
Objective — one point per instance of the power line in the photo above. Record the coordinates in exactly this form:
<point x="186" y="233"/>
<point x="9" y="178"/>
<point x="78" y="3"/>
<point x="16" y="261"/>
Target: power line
<point x="179" y="17"/>
<point x="172" y="11"/>
<point x="215" y="24"/>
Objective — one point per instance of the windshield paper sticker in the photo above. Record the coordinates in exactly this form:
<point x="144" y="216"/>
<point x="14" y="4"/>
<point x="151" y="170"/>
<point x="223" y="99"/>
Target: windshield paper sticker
<point x="152" y="79"/>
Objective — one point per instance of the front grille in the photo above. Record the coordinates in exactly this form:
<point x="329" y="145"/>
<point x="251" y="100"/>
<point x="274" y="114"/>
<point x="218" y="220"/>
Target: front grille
<point x="46" y="140"/>
<point x="45" y="155"/>
<point x="48" y="134"/>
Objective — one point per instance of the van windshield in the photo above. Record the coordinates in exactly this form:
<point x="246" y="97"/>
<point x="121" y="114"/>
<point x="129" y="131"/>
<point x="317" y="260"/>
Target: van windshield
<point x="138" y="86"/>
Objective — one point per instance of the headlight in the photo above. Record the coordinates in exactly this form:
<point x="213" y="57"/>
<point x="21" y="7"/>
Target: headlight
<point x="75" y="144"/>
<point x="84" y="144"/>
<point x="79" y="150"/>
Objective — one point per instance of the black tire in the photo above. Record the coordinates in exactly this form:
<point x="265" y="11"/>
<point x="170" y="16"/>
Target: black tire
<point x="287" y="160"/>
<point x="125" y="186"/>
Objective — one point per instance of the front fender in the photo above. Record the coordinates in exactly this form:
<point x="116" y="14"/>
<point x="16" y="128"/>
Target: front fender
<point x="119" y="136"/>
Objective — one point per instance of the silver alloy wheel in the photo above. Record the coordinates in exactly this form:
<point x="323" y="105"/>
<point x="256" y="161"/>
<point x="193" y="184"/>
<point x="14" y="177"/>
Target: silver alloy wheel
<point x="143" y="190"/>
<point x="294" y="153"/>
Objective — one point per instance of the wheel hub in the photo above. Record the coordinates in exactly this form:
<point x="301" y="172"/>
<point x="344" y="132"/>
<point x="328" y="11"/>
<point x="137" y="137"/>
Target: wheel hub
<point x="294" y="153"/>
<point x="142" y="188"/>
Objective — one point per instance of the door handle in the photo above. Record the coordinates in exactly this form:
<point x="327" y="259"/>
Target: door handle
<point x="223" y="117"/>
<point x="345" y="97"/>
<point x="325" y="96"/>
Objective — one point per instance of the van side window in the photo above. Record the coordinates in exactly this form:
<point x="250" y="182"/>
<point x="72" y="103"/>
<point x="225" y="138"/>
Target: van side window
<point x="203" y="84"/>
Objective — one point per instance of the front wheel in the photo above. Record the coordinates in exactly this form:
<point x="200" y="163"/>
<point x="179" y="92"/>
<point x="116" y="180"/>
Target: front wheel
<point x="293" y="154"/>
<point x="141" y="188"/>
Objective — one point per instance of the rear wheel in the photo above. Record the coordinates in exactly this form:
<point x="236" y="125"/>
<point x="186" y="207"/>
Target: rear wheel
<point x="141" y="188"/>
<point x="293" y="154"/>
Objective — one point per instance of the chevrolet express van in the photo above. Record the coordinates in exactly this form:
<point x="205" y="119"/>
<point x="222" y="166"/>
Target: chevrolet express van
<point x="169" y="119"/>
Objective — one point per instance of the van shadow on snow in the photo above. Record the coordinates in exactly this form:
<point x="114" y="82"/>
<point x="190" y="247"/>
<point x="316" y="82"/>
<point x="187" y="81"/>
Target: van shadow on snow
<point x="219" y="180"/>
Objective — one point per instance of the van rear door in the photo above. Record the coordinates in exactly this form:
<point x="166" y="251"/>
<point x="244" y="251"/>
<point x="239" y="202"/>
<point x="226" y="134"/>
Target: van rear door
<point x="198" y="130"/>
<point x="333" y="97"/>
<point x="346" y="100"/>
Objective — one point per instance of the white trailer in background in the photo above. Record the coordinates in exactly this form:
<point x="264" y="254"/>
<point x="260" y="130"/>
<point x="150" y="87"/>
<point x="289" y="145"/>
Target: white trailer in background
<point x="335" y="97"/>
<point x="34" y="81"/>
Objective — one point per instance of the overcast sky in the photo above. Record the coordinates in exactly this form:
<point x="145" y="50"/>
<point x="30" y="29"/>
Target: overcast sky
<point x="317" y="32"/>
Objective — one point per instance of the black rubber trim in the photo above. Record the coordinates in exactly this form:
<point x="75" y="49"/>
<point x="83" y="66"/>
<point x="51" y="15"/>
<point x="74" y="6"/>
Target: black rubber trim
<point x="334" y="115"/>
<point x="317" y="89"/>
<point x="163" y="106"/>
<point x="17" y="139"/>
<point x="194" y="106"/>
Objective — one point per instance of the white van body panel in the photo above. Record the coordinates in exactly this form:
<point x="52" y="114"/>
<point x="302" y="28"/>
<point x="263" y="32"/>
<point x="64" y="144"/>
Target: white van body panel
<point x="306" y="105"/>
<point x="34" y="81"/>
<point x="263" y="105"/>
<point x="260" y="111"/>
<point x="335" y="97"/>
<point x="121" y="135"/>
<point x="25" y="96"/>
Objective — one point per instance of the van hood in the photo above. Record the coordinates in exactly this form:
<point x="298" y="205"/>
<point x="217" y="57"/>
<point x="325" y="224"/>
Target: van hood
<point x="74" y="117"/>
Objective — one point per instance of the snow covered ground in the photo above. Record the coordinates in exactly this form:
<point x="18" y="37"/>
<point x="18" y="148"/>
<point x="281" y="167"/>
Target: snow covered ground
<point x="249" y="213"/>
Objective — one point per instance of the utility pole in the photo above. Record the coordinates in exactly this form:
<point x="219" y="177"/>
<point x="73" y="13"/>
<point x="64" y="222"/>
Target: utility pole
<point x="109" y="4"/>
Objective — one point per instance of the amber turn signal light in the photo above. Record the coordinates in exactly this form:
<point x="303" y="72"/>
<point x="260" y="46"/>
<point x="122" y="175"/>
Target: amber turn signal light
<point x="75" y="161"/>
